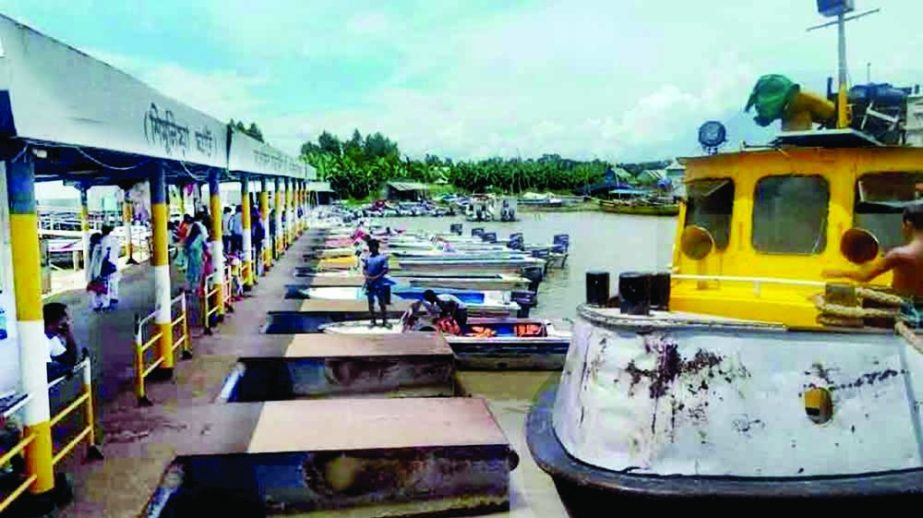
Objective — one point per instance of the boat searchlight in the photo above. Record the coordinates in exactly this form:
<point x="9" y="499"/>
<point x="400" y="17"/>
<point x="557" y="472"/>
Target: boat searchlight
<point x="696" y="242"/>
<point x="859" y="245"/>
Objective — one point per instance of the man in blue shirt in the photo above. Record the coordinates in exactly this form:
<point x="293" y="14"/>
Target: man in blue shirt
<point x="376" y="284"/>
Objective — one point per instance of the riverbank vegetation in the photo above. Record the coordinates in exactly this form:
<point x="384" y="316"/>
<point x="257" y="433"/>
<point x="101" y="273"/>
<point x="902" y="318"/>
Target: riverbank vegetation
<point x="357" y="167"/>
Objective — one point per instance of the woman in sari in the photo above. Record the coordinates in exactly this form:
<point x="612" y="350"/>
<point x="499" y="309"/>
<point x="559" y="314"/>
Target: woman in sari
<point x="194" y="250"/>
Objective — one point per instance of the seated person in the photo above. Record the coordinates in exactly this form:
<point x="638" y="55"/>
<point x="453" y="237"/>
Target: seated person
<point x="62" y="348"/>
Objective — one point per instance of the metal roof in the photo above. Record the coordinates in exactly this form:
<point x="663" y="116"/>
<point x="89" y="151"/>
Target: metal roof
<point x="408" y="186"/>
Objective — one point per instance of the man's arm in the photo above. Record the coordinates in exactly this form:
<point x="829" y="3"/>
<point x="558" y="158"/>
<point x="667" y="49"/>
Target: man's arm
<point x="866" y="273"/>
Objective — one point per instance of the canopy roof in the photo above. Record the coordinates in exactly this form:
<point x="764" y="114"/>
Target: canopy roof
<point x="408" y="186"/>
<point x="83" y="120"/>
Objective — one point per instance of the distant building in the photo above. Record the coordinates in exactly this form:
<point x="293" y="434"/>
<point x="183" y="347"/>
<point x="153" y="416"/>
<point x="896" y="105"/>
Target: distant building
<point x="676" y="172"/>
<point x="406" y="191"/>
<point x="320" y="193"/>
<point x="616" y="178"/>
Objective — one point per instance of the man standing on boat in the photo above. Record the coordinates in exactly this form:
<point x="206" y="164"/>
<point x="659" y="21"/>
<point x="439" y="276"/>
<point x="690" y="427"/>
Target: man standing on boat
<point x="905" y="262"/>
<point x="375" y="269"/>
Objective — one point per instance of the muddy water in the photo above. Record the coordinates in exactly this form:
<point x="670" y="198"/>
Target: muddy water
<point x="599" y="241"/>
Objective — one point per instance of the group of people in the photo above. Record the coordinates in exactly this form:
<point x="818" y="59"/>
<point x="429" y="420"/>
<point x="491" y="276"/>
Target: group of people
<point x="447" y="312"/>
<point x="191" y="238"/>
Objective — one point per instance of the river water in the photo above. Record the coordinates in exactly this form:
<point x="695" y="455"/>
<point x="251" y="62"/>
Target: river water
<point x="599" y="241"/>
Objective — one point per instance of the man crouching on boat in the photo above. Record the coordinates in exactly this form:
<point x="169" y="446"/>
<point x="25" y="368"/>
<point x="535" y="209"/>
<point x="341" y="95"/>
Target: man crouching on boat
<point x="375" y="269"/>
<point x="448" y="313"/>
<point x="906" y="262"/>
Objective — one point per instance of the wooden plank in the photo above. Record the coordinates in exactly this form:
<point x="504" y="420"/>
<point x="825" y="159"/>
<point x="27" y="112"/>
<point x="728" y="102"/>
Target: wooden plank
<point x="324" y="345"/>
<point x="363" y="424"/>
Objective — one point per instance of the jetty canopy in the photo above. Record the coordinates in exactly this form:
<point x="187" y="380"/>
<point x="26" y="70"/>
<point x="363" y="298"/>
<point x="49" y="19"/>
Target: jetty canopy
<point x="248" y="155"/>
<point x="407" y="191"/>
<point x="86" y="121"/>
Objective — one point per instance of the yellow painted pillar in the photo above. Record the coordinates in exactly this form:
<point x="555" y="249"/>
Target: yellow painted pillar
<point x="279" y="238"/>
<point x="289" y="213"/>
<point x="33" y="348"/>
<point x="214" y="192"/>
<point x="85" y="225"/>
<point x="163" y="319"/>
<point x="127" y="217"/>
<point x="264" y="216"/>
<point x="246" y="225"/>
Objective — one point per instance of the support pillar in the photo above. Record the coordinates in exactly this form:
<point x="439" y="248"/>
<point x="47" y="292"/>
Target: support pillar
<point x="163" y="319"/>
<point x="247" y="235"/>
<point x="279" y="238"/>
<point x="85" y="225"/>
<point x="127" y="218"/>
<point x="289" y="219"/>
<point x="217" y="247"/>
<point x="33" y="349"/>
<point x="264" y="215"/>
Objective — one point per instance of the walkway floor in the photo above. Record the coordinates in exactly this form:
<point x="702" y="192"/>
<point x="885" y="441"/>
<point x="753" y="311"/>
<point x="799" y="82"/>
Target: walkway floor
<point x="140" y="442"/>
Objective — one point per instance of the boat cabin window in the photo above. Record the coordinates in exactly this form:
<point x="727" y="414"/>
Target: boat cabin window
<point x="708" y="205"/>
<point x="880" y="201"/>
<point x="790" y="214"/>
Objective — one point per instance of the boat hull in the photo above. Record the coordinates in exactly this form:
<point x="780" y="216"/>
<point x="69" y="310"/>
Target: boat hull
<point x="584" y="488"/>
<point x="640" y="210"/>
<point x="687" y="397"/>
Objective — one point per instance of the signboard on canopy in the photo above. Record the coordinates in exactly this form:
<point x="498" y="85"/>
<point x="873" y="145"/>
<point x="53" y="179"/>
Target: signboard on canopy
<point x="54" y="93"/>
<point x="249" y="155"/>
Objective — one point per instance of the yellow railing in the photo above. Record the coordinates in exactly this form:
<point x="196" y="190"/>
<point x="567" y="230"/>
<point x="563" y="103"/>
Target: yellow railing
<point x="179" y="321"/>
<point x="87" y="432"/>
<point x="209" y="290"/>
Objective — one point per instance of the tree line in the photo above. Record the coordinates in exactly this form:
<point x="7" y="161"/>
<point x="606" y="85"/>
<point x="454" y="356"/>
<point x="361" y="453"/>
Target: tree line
<point x="359" y="165"/>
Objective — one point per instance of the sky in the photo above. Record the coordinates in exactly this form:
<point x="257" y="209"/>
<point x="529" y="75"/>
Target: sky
<point x="620" y="80"/>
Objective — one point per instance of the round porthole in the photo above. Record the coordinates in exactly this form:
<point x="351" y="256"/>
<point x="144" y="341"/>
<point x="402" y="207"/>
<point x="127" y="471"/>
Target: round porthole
<point x="818" y="405"/>
<point x="696" y="242"/>
<point x="859" y="245"/>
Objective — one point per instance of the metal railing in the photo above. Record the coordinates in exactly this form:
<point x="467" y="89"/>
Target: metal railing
<point x="756" y="282"/>
<point x="178" y="321"/>
<point x="209" y="290"/>
<point x="87" y="432"/>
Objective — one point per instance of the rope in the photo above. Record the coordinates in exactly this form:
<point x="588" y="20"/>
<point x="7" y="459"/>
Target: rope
<point x="879" y="296"/>
<point x="837" y="310"/>
<point x="904" y="331"/>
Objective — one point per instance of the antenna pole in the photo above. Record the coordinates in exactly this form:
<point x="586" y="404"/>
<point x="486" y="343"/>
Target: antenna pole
<point x="842" y="120"/>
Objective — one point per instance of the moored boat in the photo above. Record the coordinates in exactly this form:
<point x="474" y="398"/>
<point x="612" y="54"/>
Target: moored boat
<point x="489" y="343"/>
<point x="758" y="376"/>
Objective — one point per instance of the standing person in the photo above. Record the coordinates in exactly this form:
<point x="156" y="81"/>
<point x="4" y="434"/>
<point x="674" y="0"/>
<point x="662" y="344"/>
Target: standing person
<point x="377" y="284"/>
<point x="237" y="230"/>
<point x="273" y="231"/>
<point x="97" y="285"/>
<point x="194" y="249"/>
<point x="258" y="235"/>
<point x="111" y="249"/>
<point x="226" y="229"/>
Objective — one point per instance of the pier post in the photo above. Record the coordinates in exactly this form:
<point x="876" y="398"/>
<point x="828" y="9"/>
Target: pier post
<point x="214" y="192"/>
<point x="85" y="224"/>
<point x="163" y="319"/>
<point x="266" y="253"/>
<point x="33" y="348"/>
<point x="245" y="224"/>
<point x="278" y="238"/>
<point x="288" y="212"/>
<point x="127" y="217"/>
